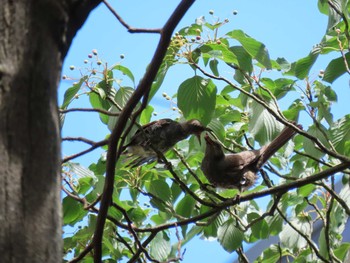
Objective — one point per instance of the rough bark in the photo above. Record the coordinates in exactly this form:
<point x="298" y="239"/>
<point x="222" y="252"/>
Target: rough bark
<point x="34" y="38"/>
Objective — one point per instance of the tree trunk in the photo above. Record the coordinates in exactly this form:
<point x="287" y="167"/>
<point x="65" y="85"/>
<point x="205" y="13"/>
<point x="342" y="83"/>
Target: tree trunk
<point x="34" y="38"/>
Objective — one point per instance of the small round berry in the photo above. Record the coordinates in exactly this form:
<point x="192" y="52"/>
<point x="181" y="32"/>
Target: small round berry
<point x="76" y="96"/>
<point x="64" y="77"/>
<point x="167" y="98"/>
<point x="93" y="72"/>
<point x="198" y="37"/>
<point x="71" y="67"/>
<point x="94" y="51"/>
<point x="193" y="39"/>
<point x="218" y="41"/>
<point x="99" y="62"/>
<point x="90" y="56"/>
<point x="174" y="108"/>
<point x="235" y="12"/>
<point x="86" y="61"/>
<point x="338" y="31"/>
<point x="226" y="20"/>
<point x="198" y="31"/>
<point x="211" y="12"/>
<point x="164" y="94"/>
<point x="122" y="56"/>
<point x="155" y="113"/>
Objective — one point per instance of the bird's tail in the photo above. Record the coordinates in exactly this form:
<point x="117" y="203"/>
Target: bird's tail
<point x="268" y="150"/>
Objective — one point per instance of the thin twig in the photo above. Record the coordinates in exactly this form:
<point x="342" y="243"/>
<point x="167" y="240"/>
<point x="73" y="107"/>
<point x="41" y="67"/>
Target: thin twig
<point x="128" y="27"/>
<point x="93" y="147"/>
<point x="89" y="110"/>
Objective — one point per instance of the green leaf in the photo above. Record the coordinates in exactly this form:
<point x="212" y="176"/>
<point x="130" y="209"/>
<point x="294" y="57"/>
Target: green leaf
<point x="336" y="68"/>
<point x="98" y="103"/>
<point x="123" y="95"/>
<point x="160" y="247"/>
<point x="213" y="64"/>
<point x="272" y="254"/>
<point x="255" y="48"/>
<point x="342" y="251"/>
<point x="72" y="211"/>
<point x="196" y="99"/>
<point x="262" y="125"/>
<point x="125" y="71"/>
<point x="160" y="189"/>
<point x="306" y="190"/>
<point x="260" y="230"/>
<point x="71" y="92"/>
<point x="309" y="145"/>
<point x="230" y="237"/>
<point x="185" y="206"/>
<point x="301" y="68"/>
<point x="146" y="115"/>
<point x="218" y="51"/>
<point x="244" y="59"/>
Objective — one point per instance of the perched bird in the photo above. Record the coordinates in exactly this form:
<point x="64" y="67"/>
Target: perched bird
<point x="160" y="135"/>
<point x="238" y="170"/>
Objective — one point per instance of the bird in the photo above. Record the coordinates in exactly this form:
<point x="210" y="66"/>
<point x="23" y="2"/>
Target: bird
<point x="239" y="170"/>
<point x="159" y="136"/>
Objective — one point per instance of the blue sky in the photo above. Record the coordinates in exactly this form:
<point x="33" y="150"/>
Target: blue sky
<point x="288" y="28"/>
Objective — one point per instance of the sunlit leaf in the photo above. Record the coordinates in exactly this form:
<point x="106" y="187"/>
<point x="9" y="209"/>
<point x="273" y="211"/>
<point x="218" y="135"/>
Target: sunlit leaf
<point x="196" y="99"/>
<point x="255" y="48"/>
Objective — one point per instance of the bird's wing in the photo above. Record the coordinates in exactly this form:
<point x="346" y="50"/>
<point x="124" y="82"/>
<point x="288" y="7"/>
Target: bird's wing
<point x="148" y="129"/>
<point x="239" y="161"/>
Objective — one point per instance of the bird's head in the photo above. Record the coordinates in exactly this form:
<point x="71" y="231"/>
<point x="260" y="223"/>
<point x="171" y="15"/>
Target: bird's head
<point x="194" y="127"/>
<point x="213" y="147"/>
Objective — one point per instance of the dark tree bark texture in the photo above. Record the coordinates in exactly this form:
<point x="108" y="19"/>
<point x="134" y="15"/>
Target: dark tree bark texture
<point x="34" y="37"/>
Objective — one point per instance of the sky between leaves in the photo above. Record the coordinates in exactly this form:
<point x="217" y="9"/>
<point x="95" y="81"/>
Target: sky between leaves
<point x="288" y="28"/>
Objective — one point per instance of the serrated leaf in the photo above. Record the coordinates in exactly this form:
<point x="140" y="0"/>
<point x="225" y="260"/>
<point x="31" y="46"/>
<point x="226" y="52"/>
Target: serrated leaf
<point x="255" y="48"/>
<point x="197" y="98"/>
<point x="260" y="230"/>
<point x="229" y="236"/>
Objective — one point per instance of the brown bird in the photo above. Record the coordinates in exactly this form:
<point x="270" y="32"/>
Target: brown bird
<point x="160" y="135"/>
<point x="238" y="170"/>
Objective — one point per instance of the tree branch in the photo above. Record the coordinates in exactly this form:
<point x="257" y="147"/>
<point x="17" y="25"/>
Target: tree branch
<point x="143" y="89"/>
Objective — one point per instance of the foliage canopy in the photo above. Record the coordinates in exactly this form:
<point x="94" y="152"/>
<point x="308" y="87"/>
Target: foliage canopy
<point x="237" y="90"/>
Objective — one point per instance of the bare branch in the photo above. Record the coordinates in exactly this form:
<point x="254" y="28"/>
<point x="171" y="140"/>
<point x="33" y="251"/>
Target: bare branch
<point x="93" y="147"/>
<point x="128" y="27"/>
<point x="89" y="110"/>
